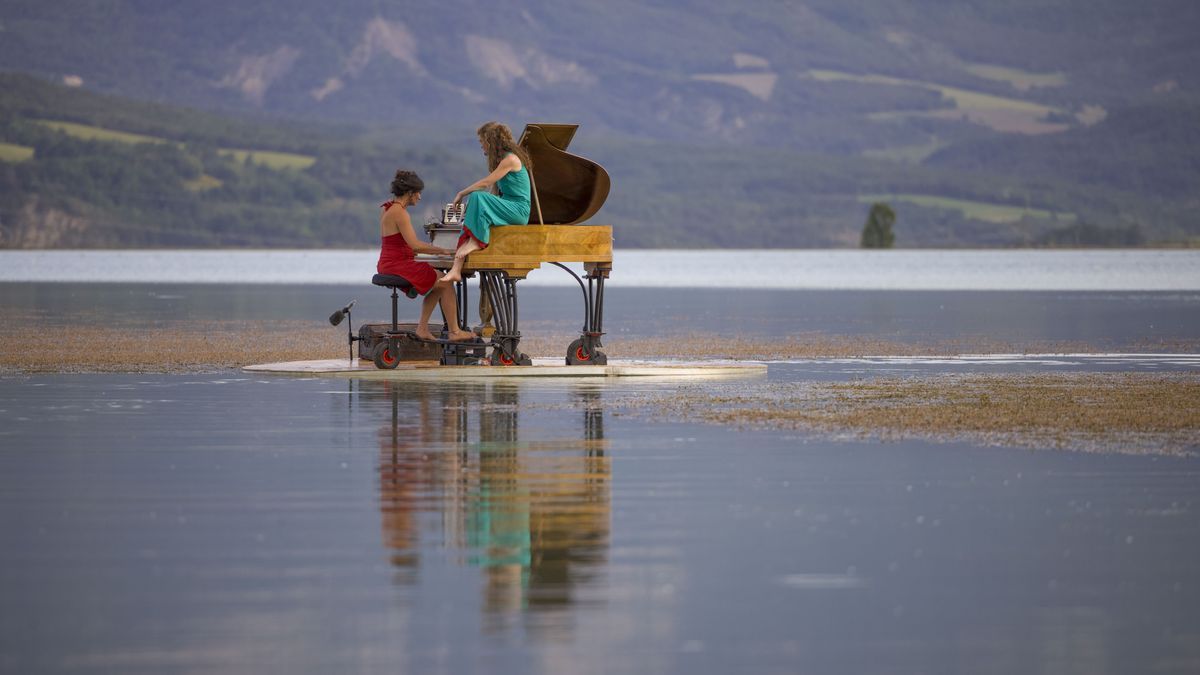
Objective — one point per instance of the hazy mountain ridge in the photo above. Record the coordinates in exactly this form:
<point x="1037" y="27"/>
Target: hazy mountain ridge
<point x="684" y="70"/>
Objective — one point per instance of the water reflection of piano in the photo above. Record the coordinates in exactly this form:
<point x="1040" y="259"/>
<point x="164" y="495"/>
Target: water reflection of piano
<point x="532" y="514"/>
<point x="567" y="190"/>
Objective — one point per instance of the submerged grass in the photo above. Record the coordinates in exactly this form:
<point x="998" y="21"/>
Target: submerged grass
<point x="41" y="347"/>
<point x="36" y="344"/>
<point x="1109" y="412"/>
<point x="1106" y="412"/>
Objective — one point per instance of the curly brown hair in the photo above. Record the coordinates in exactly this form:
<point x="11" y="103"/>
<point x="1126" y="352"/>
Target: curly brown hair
<point x="406" y="182"/>
<point x="498" y="142"/>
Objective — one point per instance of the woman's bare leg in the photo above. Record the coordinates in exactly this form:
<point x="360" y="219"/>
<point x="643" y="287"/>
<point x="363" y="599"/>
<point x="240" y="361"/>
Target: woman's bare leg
<point x="442" y="294"/>
<point x="460" y="256"/>
<point x="427" y="304"/>
<point x="449" y="302"/>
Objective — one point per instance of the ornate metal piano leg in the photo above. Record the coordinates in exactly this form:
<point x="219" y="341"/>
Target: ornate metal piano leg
<point x="507" y="339"/>
<point x="585" y="350"/>
<point x="592" y="332"/>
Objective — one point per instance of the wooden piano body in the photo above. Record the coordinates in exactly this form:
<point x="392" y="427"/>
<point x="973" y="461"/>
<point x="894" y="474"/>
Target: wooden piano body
<point x="567" y="190"/>
<point x="517" y="250"/>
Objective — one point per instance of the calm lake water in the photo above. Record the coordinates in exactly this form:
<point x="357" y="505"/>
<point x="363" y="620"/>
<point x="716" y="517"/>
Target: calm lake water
<point x="225" y="523"/>
<point x="232" y="523"/>
<point x="1124" y="270"/>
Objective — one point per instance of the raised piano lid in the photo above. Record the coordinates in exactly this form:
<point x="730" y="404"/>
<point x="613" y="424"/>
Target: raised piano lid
<point x="569" y="188"/>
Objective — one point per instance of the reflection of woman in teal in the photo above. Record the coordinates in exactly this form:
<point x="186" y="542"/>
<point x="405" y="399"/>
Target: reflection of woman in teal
<point x="509" y="168"/>
<point x="499" y="524"/>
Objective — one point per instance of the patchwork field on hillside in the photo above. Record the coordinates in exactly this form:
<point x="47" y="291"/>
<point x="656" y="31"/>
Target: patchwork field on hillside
<point x="1012" y="115"/>
<point x="11" y="152"/>
<point x="992" y="213"/>
<point x="268" y="158"/>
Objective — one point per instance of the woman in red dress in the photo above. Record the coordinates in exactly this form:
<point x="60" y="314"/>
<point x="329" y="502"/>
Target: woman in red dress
<point x="397" y="255"/>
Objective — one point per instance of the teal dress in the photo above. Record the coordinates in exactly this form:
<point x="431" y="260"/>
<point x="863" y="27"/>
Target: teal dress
<point x="511" y="207"/>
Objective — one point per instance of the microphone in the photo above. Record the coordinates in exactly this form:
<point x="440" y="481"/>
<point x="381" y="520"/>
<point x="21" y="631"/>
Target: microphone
<point x="336" y="317"/>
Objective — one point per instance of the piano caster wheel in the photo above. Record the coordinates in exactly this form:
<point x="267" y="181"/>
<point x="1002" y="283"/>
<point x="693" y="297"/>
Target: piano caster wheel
<point x="385" y="356"/>
<point x="579" y="355"/>
<point x="499" y="358"/>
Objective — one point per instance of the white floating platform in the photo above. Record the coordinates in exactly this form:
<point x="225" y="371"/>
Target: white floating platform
<point x="430" y="370"/>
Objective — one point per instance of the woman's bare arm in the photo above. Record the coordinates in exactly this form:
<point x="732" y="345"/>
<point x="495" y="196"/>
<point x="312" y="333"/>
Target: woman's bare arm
<point x="399" y="221"/>
<point x="506" y="166"/>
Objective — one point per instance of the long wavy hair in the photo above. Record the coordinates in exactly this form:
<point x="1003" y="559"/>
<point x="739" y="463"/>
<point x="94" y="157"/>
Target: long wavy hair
<point x="498" y="142"/>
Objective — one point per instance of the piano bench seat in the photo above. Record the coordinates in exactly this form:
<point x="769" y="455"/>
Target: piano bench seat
<point x="395" y="283"/>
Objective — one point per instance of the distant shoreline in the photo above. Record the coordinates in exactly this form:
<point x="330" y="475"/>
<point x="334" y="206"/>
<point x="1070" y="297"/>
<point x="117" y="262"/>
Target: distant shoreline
<point x="765" y="269"/>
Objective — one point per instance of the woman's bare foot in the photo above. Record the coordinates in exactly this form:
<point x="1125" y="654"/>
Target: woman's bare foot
<point x="461" y="336"/>
<point x="423" y="334"/>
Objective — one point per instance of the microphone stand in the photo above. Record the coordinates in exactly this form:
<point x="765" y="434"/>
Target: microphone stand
<point x="336" y="318"/>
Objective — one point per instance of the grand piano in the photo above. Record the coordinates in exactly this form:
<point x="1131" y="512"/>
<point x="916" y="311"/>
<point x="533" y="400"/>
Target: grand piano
<point x="567" y="190"/>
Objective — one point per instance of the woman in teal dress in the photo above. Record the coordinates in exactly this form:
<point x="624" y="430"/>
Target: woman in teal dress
<point x="510" y="167"/>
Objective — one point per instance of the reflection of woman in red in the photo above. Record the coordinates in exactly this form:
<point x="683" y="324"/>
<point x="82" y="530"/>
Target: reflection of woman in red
<point x="399" y="245"/>
<point x="412" y="479"/>
<point x="535" y="522"/>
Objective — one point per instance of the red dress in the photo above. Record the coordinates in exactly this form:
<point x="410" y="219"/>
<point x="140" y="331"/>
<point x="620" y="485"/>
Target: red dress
<point x="397" y="257"/>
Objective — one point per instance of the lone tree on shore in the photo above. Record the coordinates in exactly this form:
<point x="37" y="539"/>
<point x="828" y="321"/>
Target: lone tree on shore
<point x="877" y="231"/>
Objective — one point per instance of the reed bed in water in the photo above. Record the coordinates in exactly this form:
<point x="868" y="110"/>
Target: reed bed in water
<point x="37" y="344"/>
<point x="1122" y="412"/>
<point x="170" y="347"/>
<point x="1107" y="412"/>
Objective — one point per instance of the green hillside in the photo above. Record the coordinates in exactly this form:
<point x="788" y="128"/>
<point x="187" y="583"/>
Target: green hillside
<point x="82" y="169"/>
